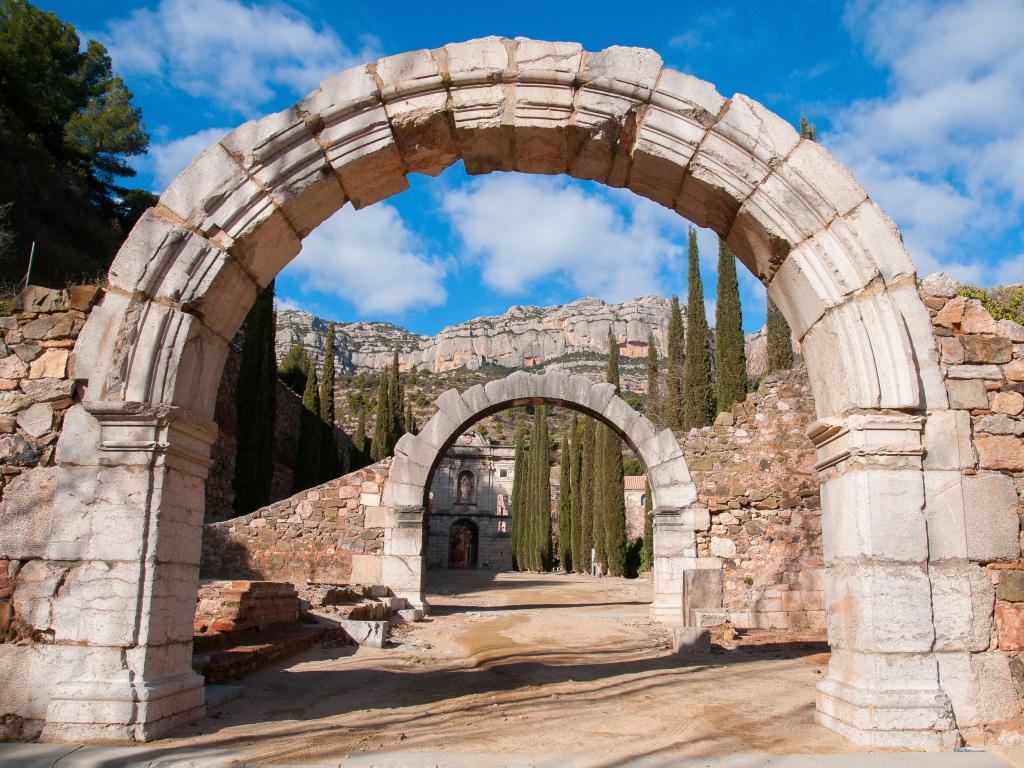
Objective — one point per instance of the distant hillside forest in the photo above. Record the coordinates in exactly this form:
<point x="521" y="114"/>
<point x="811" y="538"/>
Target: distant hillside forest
<point x="67" y="129"/>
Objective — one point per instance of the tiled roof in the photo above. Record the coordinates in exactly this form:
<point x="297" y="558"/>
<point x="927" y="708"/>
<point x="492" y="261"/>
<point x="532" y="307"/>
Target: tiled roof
<point x="635" y="482"/>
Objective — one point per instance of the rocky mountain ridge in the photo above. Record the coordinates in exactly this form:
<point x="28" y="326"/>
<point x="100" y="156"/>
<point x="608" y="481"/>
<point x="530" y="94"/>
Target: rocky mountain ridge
<point x="572" y="336"/>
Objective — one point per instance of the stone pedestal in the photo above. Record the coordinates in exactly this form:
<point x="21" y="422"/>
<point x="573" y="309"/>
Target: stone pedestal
<point x="882" y="688"/>
<point x="403" y="563"/>
<point x="682" y="581"/>
<point x="128" y="514"/>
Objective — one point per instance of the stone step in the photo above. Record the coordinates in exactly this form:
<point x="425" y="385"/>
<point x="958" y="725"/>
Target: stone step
<point x="406" y="615"/>
<point x="372" y="633"/>
<point x="241" y="660"/>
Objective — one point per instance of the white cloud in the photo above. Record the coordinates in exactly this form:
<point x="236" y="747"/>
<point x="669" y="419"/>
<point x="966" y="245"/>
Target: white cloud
<point x="943" y="150"/>
<point x="370" y="259"/>
<point x="169" y="158"/>
<point x="526" y="229"/>
<point x="237" y="55"/>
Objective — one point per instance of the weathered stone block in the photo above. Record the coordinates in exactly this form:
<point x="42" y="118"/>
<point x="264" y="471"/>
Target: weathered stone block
<point x="986" y="349"/>
<point x="1000" y="452"/>
<point x="967" y="393"/>
<point x="979" y="687"/>
<point x="947" y="440"/>
<point x="1011" y="586"/>
<point x="962" y="600"/>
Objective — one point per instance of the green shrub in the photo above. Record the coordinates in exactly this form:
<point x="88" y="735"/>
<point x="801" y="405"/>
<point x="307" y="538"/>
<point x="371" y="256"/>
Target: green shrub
<point x="1004" y="302"/>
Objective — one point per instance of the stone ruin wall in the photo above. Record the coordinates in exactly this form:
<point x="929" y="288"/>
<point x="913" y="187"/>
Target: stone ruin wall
<point x="754" y="469"/>
<point x="333" y="533"/>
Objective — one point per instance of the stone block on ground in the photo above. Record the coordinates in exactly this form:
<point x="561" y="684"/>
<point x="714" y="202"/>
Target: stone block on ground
<point x="371" y="633"/>
<point x="691" y="640"/>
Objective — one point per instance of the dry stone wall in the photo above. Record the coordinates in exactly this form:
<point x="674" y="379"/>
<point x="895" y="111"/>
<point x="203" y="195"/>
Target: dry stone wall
<point x="754" y="469"/>
<point x="333" y="533"/>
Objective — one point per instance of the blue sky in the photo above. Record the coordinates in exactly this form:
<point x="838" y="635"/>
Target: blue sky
<point x="923" y="100"/>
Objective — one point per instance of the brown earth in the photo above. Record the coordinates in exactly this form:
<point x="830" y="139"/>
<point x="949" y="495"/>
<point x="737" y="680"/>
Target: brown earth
<point x="531" y="664"/>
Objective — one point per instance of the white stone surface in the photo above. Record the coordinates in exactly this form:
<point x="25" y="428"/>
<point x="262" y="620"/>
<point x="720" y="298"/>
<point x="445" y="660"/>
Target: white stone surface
<point x="979" y="687"/>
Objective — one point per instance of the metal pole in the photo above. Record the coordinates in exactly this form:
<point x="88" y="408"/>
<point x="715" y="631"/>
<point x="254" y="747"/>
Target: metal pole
<point x="31" y="258"/>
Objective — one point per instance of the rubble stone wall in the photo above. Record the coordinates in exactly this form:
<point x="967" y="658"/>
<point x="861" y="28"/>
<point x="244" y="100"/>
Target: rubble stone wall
<point x="754" y="469"/>
<point x="333" y="533"/>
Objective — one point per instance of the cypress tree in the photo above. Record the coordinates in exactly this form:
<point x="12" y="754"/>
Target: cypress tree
<point x="359" y="440"/>
<point x="587" y="460"/>
<point x="307" y="457"/>
<point x="648" y="529"/>
<point x="542" y="493"/>
<point x="653" y="409"/>
<point x="578" y="560"/>
<point x="396" y="405"/>
<point x="613" y="505"/>
<point x="381" y="425"/>
<point x="565" y="503"/>
<point x="519" y="483"/>
<point x="256" y="407"/>
<point x="672" y="403"/>
<point x="780" y="340"/>
<point x="409" y="422"/>
<point x="698" y="395"/>
<point x="597" y="490"/>
<point x="330" y="466"/>
<point x="730" y="357"/>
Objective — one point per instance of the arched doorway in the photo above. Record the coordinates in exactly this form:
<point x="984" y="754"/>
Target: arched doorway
<point x="463" y="542"/>
<point x="152" y="352"/>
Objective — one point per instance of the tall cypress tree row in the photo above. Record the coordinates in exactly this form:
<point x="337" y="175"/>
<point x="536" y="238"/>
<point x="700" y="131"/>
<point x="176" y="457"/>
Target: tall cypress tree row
<point x="330" y="466"/>
<point x="613" y="504"/>
<point x="653" y="408"/>
<point x="597" y="493"/>
<point x="519" y="483"/>
<point x="672" y="402"/>
<point x="256" y="407"/>
<point x="382" y="422"/>
<point x="648" y="528"/>
<point x="307" y="457"/>
<point x="730" y="357"/>
<point x="565" y="502"/>
<point x="576" y="470"/>
<point x="698" y="393"/>
<point x="780" y="340"/>
<point x="587" y="460"/>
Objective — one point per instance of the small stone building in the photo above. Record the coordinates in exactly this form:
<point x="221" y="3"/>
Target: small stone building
<point x="470" y="507"/>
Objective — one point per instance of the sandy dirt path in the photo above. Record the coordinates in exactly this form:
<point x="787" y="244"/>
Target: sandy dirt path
<point x="527" y="664"/>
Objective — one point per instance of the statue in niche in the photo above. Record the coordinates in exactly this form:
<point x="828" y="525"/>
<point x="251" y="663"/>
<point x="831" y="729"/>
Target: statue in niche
<point x="465" y="488"/>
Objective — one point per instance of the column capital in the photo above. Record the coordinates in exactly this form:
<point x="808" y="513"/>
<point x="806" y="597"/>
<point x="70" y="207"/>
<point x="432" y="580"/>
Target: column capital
<point x="868" y="438"/>
<point x="143" y="433"/>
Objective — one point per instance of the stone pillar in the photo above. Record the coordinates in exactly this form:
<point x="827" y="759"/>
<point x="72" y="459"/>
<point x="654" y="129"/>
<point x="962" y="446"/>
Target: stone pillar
<point x="680" y="577"/>
<point x="128" y="513"/>
<point x="882" y="688"/>
<point x="403" y="569"/>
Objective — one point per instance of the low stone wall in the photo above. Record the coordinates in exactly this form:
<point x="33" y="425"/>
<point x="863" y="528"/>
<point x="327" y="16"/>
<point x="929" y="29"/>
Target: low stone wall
<point x="333" y="533"/>
<point x="754" y="469"/>
<point x="240" y="605"/>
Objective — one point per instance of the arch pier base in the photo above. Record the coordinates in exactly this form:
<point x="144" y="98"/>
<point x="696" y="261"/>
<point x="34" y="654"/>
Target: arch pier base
<point x="883" y="686"/>
<point x="404" y="568"/>
<point x="686" y="587"/>
<point x="127" y="524"/>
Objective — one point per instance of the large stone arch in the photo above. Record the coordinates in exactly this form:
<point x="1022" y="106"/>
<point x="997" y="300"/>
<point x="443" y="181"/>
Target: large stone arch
<point x="129" y="499"/>
<point x="676" y="513"/>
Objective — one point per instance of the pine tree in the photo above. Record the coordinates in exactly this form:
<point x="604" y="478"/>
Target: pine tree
<point x="519" y="484"/>
<point x="565" y="503"/>
<point x="653" y="408"/>
<point x="780" y="340"/>
<point x="613" y="506"/>
<point x="698" y="394"/>
<point x="330" y="466"/>
<point x="587" y="460"/>
<point x="730" y="357"/>
<point x="256" y="407"/>
<point x="648" y="529"/>
<point x="579" y="561"/>
<point x="382" y="422"/>
<point x="307" y="457"/>
<point x="672" y="403"/>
